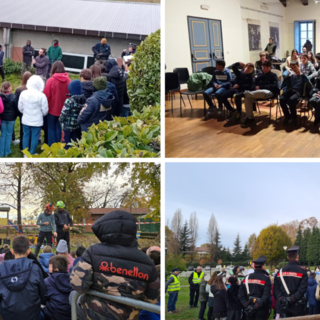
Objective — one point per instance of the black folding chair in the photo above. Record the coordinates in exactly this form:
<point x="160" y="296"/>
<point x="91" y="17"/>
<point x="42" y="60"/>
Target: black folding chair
<point x="172" y="85"/>
<point x="270" y="105"/>
<point x="209" y="70"/>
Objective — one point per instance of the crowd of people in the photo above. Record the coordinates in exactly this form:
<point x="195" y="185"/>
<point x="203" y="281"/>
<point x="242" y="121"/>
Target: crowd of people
<point x="41" y="289"/>
<point x="301" y="81"/>
<point x="51" y="102"/>
<point x="290" y="291"/>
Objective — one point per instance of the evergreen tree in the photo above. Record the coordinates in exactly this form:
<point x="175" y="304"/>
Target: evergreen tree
<point x="217" y="244"/>
<point x="237" y="249"/>
<point x="185" y="239"/>
<point x="299" y="237"/>
<point x="245" y="256"/>
<point x="304" y="246"/>
<point x="313" y="251"/>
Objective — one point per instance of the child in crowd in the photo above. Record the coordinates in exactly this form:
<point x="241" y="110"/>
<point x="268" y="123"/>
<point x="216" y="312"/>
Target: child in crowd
<point x="211" y="297"/>
<point x="79" y="252"/>
<point x="62" y="249"/>
<point x="219" y="291"/>
<point x="22" y="287"/>
<point x="86" y="82"/>
<point x="70" y="113"/>
<point x="73" y="254"/>
<point x="233" y="303"/>
<point x="44" y="258"/>
<point x="58" y="290"/>
<point x="203" y="298"/>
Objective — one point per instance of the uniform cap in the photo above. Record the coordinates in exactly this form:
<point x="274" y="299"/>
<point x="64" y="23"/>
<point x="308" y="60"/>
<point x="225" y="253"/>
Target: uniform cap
<point x="293" y="249"/>
<point x="260" y="260"/>
<point x="175" y="269"/>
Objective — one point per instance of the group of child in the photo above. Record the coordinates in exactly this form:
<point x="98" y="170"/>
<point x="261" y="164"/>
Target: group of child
<point x="61" y="107"/>
<point x="36" y="289"/>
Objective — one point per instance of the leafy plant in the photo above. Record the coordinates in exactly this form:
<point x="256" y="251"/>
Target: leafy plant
<point x="175" y="261"/>
<point x="10" y="66"/>
<point x="137" y="136"/>
<point x="144" y="76"/>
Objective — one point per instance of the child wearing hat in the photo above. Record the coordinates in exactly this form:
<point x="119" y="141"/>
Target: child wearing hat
<point x="62" y="249"/>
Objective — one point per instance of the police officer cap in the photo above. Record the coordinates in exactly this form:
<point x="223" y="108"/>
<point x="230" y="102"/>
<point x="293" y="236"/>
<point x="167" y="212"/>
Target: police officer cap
<point x="260" y="260"/>
<point x="293" y="249"/>
<point x="175" y="269"/>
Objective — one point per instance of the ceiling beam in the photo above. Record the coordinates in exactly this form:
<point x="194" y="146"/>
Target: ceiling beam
<point x="284" y="2"/>
<point x="304" y="2"/>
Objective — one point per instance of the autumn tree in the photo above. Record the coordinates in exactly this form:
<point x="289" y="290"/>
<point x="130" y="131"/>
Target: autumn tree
<point x="176" y="227"/>
<point x="309" y="223"/>
<point x="250" y="242"/>
<point x="291" y="229"/>
<point x="304" y="245"/>
<point x="270" y="243"/>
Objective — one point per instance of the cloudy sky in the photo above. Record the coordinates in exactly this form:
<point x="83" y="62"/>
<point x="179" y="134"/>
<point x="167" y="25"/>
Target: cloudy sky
<point x="244" y="197"/>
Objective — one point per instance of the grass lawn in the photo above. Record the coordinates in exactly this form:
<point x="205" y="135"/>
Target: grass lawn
<point x="15" y="81"/>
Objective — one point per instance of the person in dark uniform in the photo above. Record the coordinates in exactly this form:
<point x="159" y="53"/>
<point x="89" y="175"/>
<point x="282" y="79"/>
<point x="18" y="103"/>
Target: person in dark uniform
<point x="290" y="286"/>
<point x="194" y="281"/>
<point x="255" y="292"/>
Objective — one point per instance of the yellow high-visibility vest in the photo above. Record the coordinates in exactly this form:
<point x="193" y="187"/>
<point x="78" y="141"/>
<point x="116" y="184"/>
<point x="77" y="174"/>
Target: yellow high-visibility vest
<point x="196" y="279"/>
<point x="175" y="285"/>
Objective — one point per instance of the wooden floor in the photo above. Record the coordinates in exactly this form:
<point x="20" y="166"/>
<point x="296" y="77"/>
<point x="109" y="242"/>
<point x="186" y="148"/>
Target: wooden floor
<point x="190" y="136"/>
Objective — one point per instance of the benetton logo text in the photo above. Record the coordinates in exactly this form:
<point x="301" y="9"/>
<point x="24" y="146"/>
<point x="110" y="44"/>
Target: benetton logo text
<point x="132" y="273"/>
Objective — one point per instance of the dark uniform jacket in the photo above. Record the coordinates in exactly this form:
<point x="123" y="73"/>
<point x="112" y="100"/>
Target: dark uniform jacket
<point x="259" y="287"/>
<point x="115" y="266"/>
<point x="296" y="279"/>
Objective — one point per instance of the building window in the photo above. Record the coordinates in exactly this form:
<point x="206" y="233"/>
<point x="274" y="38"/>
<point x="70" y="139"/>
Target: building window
<point x="304" y="30"/>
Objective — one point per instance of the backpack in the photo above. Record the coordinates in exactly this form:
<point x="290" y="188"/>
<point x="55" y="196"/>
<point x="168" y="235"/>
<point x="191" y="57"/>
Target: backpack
<point x="318" y="292"/>
<point x="199" y="81"/>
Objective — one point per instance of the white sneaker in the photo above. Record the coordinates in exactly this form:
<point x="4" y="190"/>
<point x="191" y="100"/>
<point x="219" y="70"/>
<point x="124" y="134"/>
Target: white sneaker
<point x="15" y="142"/>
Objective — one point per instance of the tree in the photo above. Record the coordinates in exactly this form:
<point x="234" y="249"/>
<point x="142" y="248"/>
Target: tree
<point x="250" y="242"/>
<point x="176" y="227"/>
<point x="309" y="223"/>
<point x="211" y="232"/>
<point x="16" y="185"/>
<point x="185" y="239"/>
<point x="313" y="248"/>
<point x="143" y="181"/>
<point x="304" y="246"/>
<point x="291" y="229"/>
<point x="245" y="255"/>
<point x="299" y="238"/>
<point x="217" y="244"/>
<point x="270" y="243"/>
<point x="237" y="249"/>
<point x="194" y="228"/>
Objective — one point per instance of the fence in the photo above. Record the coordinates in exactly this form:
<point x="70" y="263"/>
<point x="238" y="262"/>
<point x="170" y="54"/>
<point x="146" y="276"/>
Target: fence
<point x="123" y="300"/>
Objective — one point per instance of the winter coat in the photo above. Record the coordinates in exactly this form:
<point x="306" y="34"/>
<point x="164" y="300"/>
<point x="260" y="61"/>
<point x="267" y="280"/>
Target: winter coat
<point x="56" y="91"/>
<point x="219" y="302"/>
<point x="54" y="53"/>
<point x="44" y="261"/>
<point x="61" y="218"/>
<point x="57" y="297"/>
<point x="97" y="108"/>
<point x="109" y="64"/>
<point x="115" y="266"/>
<point x="70" y="260"/>
<point x="22" y="289"/>
<point x="311" y="292"/>
<point x="1" y="107"/>
<point x="1" y="58"/>
<point x="87" y="88"/>
<point x="32" y="257"/>
<point x="119" y="79"/>
<point x="42" y="63"/>
<point x="199" y="81"/>
<point x="28" y="53"/>
<point x="10" y="104"/>
<point x="70" y="112"/>
<point x="76" y="260"/>
<point x="233" y="302"/>
<point x="33" y="104"/>
<point x="101" y="48"/>
<point x="204" y="295"/>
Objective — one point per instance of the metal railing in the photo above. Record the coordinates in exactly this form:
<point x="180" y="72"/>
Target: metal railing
<point x="123" y="300"/>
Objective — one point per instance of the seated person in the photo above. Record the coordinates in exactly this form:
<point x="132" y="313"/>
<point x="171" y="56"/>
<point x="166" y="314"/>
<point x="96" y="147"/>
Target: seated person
<point x="312" y="59"/>
<point x="317" y="56"/>
<point x="304" y="50"/>
<point x="44" y="258"/>
<point x="220" y="83"/>
<point x="266" y="87"/>
<point x="259" y="63"/>
<point x="307" y="68"/>
<point x="293" y="89"/>
<point x="294" y="57"/>
<point x="243" y="82"/>
<point x="315" y="102"/>
<point x="78" y="253"/>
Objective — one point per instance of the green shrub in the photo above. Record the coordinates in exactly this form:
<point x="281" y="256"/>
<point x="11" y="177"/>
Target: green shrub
<point x="11" y="67"/>
<point x="137" y="136"/>
<point x="175" y="261"/>
<point x="281" y="264"/>
<point x="144" y="76"/>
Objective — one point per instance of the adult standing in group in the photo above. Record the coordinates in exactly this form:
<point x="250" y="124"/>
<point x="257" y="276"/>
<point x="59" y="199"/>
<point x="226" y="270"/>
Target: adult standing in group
<point x="271" y="49"/>
<point x="290" y="286"/>
<point x="131" y="50"/>
<point x="28" y="53"/>
<point x="308" y="45"/>
<point x="54" y="54"/>
<point x="56" y="91"/>
<point x="41" y="62"/>
<point x="1" y="63"/>
<point x="173" y="288"/>
<point x="194" y="281"/>
<point x="63" y="223"/>
<point x="47" y="225"/>
<point x="101" y="52"/>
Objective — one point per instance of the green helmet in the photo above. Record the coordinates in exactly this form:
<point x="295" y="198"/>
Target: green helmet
<point x="60" y="204"/>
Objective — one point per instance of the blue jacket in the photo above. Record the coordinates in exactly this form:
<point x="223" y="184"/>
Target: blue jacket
<point x="74" y="263"/>
<point x="311" y="292"/>
<point x="222" y="78"/>
<point x="98" y="107"/>
<point x="22" y="289"/>
<point x="57" y="297"/>
<point x="44" y="261"/>
<point x="104" y="49"/>
<point x="147" y="315"/>
<point x="295" y="83"/>
<point x="1" y="58"/>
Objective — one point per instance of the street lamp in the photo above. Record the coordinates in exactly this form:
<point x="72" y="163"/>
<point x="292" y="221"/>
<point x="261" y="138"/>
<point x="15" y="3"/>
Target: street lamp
<point x="285" y="248"/>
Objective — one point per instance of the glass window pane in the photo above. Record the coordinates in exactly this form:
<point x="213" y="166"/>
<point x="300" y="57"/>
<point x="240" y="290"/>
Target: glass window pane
<point x="310" y="35"/>
<point x="310" y="26"/>
<point x="303" y="26"/>
<point x="303" y="34"/>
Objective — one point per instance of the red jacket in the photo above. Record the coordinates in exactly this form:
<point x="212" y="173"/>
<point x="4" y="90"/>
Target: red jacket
<point x="56" y="91"/>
